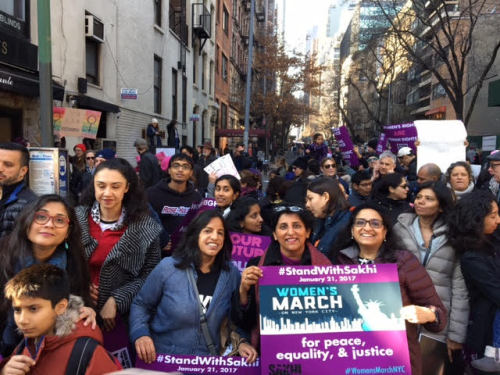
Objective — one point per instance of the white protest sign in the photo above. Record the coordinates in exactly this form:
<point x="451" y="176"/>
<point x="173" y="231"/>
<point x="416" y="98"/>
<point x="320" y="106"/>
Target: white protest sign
<point x="221" y="166"/>
<point x="441" y="142"/>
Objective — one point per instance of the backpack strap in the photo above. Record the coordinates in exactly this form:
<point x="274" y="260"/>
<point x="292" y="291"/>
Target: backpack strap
<point x="81" y="355"/>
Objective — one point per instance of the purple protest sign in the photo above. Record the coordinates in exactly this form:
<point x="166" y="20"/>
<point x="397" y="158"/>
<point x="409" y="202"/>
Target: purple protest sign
<point x="192" y="364"/>
<point x="117" y="343"/>
<point x="194" y="210"/>
<point x="346" y="147"/>
<point x="401" y="135"/>
<point x="318" y="318"/>
<point x="246" y="246"/>
<point x="382" y="143"/>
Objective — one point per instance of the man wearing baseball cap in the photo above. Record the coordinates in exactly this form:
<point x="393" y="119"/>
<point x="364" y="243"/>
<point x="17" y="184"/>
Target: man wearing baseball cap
<point x="408" y="161"/>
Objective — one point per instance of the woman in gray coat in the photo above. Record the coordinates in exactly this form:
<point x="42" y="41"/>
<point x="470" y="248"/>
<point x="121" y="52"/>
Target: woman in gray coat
<point x="424" y="233"/>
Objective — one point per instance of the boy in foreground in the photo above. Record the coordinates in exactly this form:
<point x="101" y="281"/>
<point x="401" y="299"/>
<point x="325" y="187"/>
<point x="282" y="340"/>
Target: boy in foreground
<point x="44" y="313"/>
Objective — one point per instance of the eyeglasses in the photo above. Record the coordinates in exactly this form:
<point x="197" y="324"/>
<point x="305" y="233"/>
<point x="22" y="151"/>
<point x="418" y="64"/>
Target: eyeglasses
<point x="328" y="166"/>
<point x="288" y="208"/>
<point x="185" y="167"/>
<point x="494" y="165"/>
<point x="374" y="223"/>
<point x="90" y="157"/>
<point x="365" y="184"/>
<point x="43" y="218"/>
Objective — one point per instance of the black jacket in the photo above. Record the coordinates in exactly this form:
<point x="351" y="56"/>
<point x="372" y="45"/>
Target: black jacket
<point x="171" y="205"/>
<point x="481" y="272"/>
<point x="149" y="170"/>
<point x="15" y="197"/>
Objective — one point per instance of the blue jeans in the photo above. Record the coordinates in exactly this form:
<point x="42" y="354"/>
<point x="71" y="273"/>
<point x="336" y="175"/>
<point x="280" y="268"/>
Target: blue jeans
<point x="496" y="330"/>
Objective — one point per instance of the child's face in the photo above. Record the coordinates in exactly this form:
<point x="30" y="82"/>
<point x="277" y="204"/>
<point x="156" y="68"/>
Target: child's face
<point x="36" y="317"/>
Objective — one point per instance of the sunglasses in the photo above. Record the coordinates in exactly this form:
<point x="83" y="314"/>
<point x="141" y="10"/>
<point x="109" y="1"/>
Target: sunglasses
<point x="42" y="218"/>
<point x="328" y="166"/>
<point x="90" y="158"/>
<point x="288" y="208"/>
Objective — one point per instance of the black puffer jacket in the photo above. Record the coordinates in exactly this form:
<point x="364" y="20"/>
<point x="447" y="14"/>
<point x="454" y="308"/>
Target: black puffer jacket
<point x="10" y="207"/>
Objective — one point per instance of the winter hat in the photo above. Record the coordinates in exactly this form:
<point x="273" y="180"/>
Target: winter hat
<point x="81" y="146"/>
<point x="300" y="163"/>
<point x="140" y="142"/>
<point x="106" y="153"/>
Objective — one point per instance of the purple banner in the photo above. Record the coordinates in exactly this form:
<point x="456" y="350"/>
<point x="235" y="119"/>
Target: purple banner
<point x="117" y="343"/>
<point x="246" y="246"/>
<point x="194" y="210"/>
<point x="401" y="135"/>
<point x="346" y="147"/>
<point x="316" y="318"/>
<point x="191" y="364"/>
<point x="382" y="143"/>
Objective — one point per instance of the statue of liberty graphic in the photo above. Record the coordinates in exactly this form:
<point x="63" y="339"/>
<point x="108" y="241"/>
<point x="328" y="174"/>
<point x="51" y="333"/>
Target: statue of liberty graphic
<point x="373" y="318"/>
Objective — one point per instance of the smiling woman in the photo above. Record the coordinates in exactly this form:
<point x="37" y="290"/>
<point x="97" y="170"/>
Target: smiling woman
<point x="191" y="290"/>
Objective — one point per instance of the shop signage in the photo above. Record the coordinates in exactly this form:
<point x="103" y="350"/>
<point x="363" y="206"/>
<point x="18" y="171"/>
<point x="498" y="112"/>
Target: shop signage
<point x="18" y="52"/>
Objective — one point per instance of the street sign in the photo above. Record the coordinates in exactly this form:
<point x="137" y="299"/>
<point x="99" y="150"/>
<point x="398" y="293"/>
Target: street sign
<point x="128" y="94"/>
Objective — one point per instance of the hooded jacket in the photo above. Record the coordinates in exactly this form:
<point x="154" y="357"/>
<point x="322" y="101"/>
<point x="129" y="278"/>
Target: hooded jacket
<point x="170" y="204"/>
<point x="443" y="266"/>
<point x="55" y="351"/>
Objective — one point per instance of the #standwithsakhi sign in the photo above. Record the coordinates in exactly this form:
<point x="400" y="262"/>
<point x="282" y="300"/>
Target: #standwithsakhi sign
<point x="401" y="135"/>
<point x="192" y="364"/>
<point x="246" y="246"/>
<point x="332" y="320"/>
<point x="73" y="122"/>
<point x="346" y="147"/>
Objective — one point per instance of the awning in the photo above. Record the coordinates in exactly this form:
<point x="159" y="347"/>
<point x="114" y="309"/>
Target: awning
<point x="25" y="83"/>
<point x="239" y="132"/>
<point x="89" y="102"/>
<point x="494" y="94"/>
<point x="433" y="111"/>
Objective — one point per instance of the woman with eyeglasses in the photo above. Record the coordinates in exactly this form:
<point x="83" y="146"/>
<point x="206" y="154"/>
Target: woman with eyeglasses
<point x="46" y="231"/>
<point x="196" y="284"/>
<point x="120" y="239"/>
<point x="225" y="189"/>
<point x="390" y="192"/>
<point x="369" y="240"/>
<point x="329" y="207"/>
<point x="425" y="234"/>
<point x="459" y="178"/>
<point x="292" y="227"/>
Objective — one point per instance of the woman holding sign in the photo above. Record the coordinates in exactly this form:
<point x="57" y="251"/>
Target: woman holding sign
<point x="369" y="240"/>
<point x="186" y="298"/>
<point x="290" y="246"/>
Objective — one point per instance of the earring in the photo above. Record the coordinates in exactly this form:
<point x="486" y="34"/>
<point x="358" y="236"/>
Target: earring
<point x="385" y="239"/>
<point x="66" y="246"/>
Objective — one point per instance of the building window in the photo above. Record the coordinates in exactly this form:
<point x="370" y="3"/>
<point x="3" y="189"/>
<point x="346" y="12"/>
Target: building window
<point x="14" y="16"/>
<point x="224" y="67"/>
<point x="157" y="12"/>
<point x="195" y="63"/>
<point x="212" y="22"/>
<point x="157" y="84"/>
<point x="216" y="59"/>
<point x="177" y="19"/>
<point x="92" y="60"/>
<point x="210" y="78"/>
<point x="174" y="94"/>
<point x="204" y="71"/>
<point x="225" y="21"/>
<point x="184" y="99"/>
<point x="223" y="116"/>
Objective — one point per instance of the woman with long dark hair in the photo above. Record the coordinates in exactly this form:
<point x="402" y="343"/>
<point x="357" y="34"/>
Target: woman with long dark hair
<point x="245" y="217"/>
<point x="369" y="240"/>
<point x="196" y="284"/>
<point x="471" y="226"/>
<point x="226" y="189"/>
<point x="425" y="234"/>
<point x="330" y="209"/>
<point x="120" y="239"/>
<point x="46" y="231"/>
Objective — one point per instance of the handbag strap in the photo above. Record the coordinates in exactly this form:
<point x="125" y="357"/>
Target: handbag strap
<point x="203" y="317"/>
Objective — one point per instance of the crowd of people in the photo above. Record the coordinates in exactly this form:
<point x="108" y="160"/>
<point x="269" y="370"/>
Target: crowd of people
<point x="118" y="251"/>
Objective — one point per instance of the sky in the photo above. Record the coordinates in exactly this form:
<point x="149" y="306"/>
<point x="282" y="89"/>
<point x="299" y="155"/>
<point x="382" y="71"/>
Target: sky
<point x="301" y="16"/>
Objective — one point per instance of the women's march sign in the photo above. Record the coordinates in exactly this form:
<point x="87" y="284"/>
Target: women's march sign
<point x="332" y="320"/>
<point x="246" y="246"/>
<point x="191" y="364"/>
<point x="346" y="147"/>
<point x="401" y="135"/>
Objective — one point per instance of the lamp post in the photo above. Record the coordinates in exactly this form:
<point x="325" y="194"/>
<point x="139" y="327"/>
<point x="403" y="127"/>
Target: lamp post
<point x="249" y="76"/>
